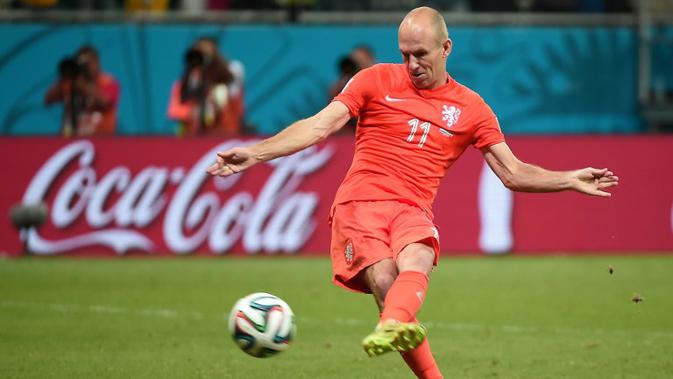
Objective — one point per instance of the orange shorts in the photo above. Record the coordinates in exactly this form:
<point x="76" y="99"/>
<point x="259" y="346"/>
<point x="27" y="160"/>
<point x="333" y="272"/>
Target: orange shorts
<point x="365" y="232"/>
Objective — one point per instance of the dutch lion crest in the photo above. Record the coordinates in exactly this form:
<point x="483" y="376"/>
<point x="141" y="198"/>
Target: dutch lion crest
<point x="450" y="115"/>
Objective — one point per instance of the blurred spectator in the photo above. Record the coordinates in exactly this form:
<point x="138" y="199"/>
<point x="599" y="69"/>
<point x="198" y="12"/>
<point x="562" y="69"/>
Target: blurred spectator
<point x="70" y="4"/>
<point x="89" y="95"/>
<point x="363" y="56"/>
<point x="219" y="5"/>
<point x="359" y="58"/>
<point x="208" y="99"/>
<point x="587" y="6"/>
<point x="551" y="5"/>
<point x="592" y="6"/>
<point x="448" y="5"/>
<point x="254" y="4"/>
<point x="660" y="6"/>
<point x="556" y="5"/>
<point x="38" y="4"/>
<point x="611" y="6"/>
<point x="347" y="68"/>
<point x="494" y="5"/>
<point x="193" y="6"/>
<point x="146" y="5"/>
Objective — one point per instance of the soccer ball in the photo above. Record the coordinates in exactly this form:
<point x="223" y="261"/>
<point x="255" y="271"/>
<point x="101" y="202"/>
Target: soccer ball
<point x="262" y="324"/>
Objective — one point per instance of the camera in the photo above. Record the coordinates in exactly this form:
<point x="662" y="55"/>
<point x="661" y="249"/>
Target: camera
<point x="193" y="85"/>
<point x="71" y="68"/>
<point x="194" y="59"/>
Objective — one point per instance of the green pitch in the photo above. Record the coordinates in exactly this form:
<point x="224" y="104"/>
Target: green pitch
<point x="532" y="318"/>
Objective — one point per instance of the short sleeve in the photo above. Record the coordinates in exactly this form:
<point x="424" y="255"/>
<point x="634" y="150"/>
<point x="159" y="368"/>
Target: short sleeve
<point x="357" y="92"/>
<point x="487" y="129"/>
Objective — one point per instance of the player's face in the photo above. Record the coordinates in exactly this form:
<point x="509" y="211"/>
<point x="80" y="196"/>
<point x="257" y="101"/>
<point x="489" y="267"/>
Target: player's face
<point x="425" y="57"/>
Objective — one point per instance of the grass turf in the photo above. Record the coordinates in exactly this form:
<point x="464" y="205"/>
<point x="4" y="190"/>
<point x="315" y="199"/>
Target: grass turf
<point x="561" y="317"/>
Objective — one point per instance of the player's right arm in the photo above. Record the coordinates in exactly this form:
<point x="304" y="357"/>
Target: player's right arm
<point x="524" y="177"/>
<point x="298" y="136"/>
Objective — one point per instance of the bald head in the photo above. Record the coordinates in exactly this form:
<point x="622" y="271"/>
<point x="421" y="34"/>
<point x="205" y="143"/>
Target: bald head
<point x="426" y="21"/>
<point x="425" y="46"/>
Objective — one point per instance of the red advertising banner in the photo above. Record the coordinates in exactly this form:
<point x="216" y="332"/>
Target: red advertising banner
<point x="151" y="196"/>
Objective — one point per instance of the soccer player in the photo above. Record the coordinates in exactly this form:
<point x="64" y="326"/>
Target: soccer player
<point x="414" y="121"/>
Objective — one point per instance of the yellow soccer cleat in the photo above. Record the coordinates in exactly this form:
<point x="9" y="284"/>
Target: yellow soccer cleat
<point x="394" y="336"/>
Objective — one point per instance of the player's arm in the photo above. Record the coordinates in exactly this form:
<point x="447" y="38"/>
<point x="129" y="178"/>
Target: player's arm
<point x="295" y="137"/>
<point x="520" y="176"/>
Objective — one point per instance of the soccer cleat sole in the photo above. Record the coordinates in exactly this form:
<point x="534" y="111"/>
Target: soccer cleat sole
<point x="394" y="337"/>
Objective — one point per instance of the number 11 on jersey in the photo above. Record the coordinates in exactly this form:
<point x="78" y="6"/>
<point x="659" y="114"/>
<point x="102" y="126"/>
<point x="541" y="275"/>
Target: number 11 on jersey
<point x="414" y="123"/>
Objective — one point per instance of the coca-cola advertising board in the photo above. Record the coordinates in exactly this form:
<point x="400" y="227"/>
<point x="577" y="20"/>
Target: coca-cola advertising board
<point x="151" y="196"/>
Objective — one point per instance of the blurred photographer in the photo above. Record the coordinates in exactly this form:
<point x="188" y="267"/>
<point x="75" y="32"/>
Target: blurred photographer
<point x="208" y="98"/>
<point x="359" y="58"/>
<point x="347" y="69"/>
<point x="89" y="96"/>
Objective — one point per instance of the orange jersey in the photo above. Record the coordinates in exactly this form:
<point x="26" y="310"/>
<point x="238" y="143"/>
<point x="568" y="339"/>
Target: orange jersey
<point x="407" y="138"/>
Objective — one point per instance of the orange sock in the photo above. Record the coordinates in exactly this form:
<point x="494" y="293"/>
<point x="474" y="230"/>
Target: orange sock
<point x="422" y="363"/>
<point x="405" y="297"/>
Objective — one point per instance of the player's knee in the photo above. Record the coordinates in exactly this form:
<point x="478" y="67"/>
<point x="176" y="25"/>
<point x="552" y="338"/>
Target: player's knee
<point x="416" y="257"/>
<point x="380" y="276"/>
<point x="383" y="281"/>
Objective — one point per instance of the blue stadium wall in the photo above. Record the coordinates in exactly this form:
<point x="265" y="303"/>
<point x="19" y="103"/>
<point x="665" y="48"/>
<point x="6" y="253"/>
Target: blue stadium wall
<point x="537" y="79"/>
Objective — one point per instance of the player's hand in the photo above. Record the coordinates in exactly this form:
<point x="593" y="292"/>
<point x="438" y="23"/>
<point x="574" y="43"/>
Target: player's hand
<point x="232" y="161"/>
<point x="593" y="181"/>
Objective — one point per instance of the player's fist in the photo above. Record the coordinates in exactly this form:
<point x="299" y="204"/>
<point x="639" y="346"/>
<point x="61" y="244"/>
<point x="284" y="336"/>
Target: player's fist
<point x="232" y="161"/>
<point x="593" y="181"/>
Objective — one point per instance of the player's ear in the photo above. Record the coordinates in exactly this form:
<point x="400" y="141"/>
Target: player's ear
<point x="446" y="47"/>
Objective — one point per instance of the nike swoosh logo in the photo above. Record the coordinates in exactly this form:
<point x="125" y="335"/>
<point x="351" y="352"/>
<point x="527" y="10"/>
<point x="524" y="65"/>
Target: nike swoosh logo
<point x="393" y="99"/>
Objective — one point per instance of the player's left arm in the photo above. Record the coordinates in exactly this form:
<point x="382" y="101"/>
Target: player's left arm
<point x="298" y="136"/>
<point x="524" y="177"/>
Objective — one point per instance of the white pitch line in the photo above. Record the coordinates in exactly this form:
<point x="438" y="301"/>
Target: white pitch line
<point x="467" y="327"/>
<point x="105" y="309"/>
<point x="459" y="327"/>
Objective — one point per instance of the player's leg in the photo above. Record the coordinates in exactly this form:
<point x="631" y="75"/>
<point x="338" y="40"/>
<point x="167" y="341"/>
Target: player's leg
<point x="415" y="263"/>
<point x="398" y="328"/>
<point x="415" y="243"/>
<point x="421" y="362"/>
<point x="391" y="335"/>
<point x="379" y="278"/>
<point x="418" y="258"/>
<point x="406" y="295"/>
<point x="358" y="243"/>
<point x="361" y="261"/>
